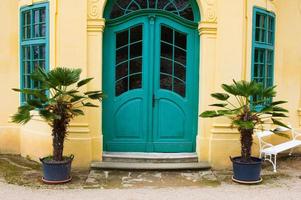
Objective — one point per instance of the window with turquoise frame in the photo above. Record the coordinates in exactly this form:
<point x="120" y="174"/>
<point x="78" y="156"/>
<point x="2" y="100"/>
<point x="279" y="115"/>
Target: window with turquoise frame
<point x="34" y="38"/>
<point x="263" y="50"/>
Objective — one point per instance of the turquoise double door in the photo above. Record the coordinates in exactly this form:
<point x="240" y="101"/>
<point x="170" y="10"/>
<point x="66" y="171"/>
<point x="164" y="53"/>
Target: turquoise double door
<point x="150" y="78"/>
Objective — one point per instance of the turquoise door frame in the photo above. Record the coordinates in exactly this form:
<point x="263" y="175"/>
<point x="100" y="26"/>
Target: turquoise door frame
<point x="149" y="118"/>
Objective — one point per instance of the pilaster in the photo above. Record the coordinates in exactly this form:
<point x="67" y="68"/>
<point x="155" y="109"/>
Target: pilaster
<point x="95" y="29"/>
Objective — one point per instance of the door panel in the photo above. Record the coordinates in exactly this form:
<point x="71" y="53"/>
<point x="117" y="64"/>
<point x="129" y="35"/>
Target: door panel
<point x="126" y="106"/>
<point x="131" y="128"/>
<point x="149" y="77"/>
<point x="168" y="114"/>
<point x="173" y="89"/>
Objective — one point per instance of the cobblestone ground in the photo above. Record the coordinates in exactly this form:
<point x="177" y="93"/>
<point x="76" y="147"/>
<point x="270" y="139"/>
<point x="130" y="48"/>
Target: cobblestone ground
<point x="21" y="179"/>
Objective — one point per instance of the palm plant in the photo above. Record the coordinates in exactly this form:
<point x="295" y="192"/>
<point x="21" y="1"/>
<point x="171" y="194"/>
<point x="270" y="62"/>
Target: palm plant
<point x="57" y="100"/>
<point x="249" y="109"/>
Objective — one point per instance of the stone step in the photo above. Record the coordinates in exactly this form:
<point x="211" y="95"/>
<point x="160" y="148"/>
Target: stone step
<point x="150" y="157"/>
<point x="150" y="166"/>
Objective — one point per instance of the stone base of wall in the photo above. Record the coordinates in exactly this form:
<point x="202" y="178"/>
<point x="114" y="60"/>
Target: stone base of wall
<point x="34" y="141"/>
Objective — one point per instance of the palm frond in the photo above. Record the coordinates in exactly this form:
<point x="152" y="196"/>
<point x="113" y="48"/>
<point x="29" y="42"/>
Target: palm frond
<point x="64" y="76"/>
<point x="220" y="96"/>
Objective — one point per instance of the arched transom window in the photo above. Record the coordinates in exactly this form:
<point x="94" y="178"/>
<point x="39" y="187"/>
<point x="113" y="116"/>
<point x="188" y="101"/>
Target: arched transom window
<point x="181" y="8"/>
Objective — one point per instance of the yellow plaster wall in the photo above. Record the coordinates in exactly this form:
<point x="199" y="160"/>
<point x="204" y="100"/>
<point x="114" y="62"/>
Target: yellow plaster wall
<point x="234" y="61"/>
<point x="9" y="75"/>
<point x="76" y="28"/>
<point x="288" y="56"/>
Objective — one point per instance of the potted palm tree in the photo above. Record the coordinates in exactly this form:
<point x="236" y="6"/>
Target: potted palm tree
<point x="58" y="99"/>
<point x="250" y="107"/>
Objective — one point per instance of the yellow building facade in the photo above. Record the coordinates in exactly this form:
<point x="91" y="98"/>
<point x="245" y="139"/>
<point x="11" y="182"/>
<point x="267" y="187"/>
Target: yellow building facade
<point x="76" y="38"/>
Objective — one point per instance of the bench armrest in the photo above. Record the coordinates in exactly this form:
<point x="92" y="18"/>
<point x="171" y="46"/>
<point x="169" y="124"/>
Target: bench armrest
<point x="264" y="145"/>
<point x="297" y="134"/>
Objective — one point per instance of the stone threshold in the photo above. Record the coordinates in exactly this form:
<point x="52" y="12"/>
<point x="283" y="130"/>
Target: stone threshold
<point x="138" y="155"/>
<point x="150" y="166"/>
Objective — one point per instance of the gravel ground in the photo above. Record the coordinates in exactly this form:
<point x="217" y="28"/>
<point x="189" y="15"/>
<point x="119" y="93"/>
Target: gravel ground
<point x="12" y="192"/>
<point x="20" y="179"/>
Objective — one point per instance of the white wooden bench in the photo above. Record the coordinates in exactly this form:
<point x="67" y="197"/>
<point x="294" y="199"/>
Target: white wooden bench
<point x="269" y="152"/>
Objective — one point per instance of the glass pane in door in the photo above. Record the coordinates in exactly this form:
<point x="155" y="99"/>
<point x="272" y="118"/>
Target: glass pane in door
<point x="173" y="59"/>
<point x="128" y="68"/>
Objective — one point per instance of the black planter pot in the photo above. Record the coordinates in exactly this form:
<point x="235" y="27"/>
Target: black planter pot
<point x="56" y="172"/>
<point x="247" y="173"/>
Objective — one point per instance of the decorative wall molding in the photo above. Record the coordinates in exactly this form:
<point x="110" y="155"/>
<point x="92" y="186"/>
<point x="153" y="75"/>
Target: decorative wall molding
<point x="208" y="28"/>
<point x="95" y="22"/>
<point x="94" y="9"/>
<point x="224" y="129"/>
<point x="82" y="128"/>
<point x="209" y="14"/>
<point x="96" y="25"/>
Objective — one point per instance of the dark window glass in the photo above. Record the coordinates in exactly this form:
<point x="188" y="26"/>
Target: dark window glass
<point x="42" y="64"/>
<point x="26" y="67"/>
<point x="123" y="3"/>
<point x="135" y="65"/>
<point x="121" y="55"/>
<point x="116" y="12"/>
<point x="121" y="86"/>
<point x="180" y="40"/>
<point x="42" y="15"/>
<point x="181" y="8"/>
<point x="167" y="34"/>
<point x="132" y="7"/>
<point x="142" y="3"/>
<point x="42" y="52"/>
<point x="136" y="34"/>
<point x="121" y="71"/>
<point x="26" y="53"/>
<point x="180" y="56"/>
<point x="26" y="26"/>
<point x="27" y="18"/>
<point x="36" y="32"/>
<point x="26" y="32"/>
<point x="151" y="3"/>
<point x="39" y="23"/>
<point x="180" y="72"/>
<point x="136" y="50"/>
<point x="36" y="14"/>
<point x="166" y="50"/>
<point x="270" y="57"/>
<point x="187" y="14"/>
<point x="135" y="81"/>
<point x="36" y="52"/>
<point x="181" y="4"/>
<point x="166" y="66"/>
<point x="165" y="82"/>
<point x="170" y="7"/>
<point x="43" y="30"/>
<point x="122" y="38"/>
<point x="161" y="4"/>
<point x="179" y="87"/>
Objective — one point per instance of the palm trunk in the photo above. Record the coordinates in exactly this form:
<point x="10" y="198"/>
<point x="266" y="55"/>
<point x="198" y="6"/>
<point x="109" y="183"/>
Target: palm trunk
<point x="246" y="144"/>
<point x="59" y="131"/>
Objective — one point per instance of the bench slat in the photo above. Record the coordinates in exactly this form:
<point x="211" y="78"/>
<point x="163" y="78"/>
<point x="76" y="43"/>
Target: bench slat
<point x="282" y="147"/>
